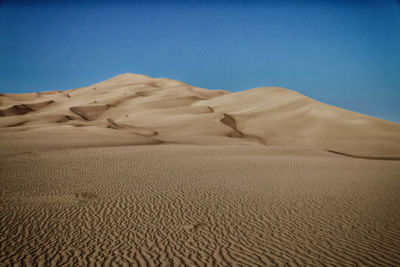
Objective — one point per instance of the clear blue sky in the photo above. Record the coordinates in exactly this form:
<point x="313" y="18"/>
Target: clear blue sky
<point x="344" y="53"/>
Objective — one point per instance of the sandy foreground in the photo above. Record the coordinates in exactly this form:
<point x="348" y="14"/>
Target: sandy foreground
<point x="142" y="171"/>
<point x="174" y="205"/>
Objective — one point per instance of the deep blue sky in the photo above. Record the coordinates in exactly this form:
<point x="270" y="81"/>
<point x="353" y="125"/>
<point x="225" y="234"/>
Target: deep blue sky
<point x="344" y="53"/>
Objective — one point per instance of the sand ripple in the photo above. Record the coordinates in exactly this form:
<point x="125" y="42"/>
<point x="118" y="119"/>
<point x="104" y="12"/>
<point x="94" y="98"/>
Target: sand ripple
<point x="173" y="205"/>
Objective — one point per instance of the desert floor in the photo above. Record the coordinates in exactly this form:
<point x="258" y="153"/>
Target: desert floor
<point x="194" y="205"/>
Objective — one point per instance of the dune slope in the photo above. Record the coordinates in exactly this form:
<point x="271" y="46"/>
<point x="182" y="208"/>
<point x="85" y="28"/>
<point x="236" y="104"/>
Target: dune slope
<point x="132" y="109"/>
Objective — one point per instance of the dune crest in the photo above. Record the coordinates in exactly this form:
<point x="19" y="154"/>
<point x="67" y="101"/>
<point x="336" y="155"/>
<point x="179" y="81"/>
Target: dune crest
<point x="180" y="113"/>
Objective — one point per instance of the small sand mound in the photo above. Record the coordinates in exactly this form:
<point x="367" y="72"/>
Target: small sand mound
<point x="20" y="123"/>
<point x="89" y="113"/>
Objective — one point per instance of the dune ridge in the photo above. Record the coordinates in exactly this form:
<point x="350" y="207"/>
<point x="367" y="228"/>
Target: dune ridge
<point x="184" y="114"/>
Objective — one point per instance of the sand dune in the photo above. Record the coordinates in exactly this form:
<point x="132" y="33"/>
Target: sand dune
<point x="141" y="171"/>
<point x="268" y="116"/>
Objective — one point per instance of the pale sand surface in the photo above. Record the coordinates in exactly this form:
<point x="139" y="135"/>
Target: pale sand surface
<point x="154" y="172"/>
<point x="132" y="109"/>
<point x="171" y="205"/>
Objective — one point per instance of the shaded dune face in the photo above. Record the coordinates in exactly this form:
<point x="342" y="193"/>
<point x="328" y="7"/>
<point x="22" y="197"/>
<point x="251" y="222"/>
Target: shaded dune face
<point x="89" y="113"/>
<point x="23" y="109"/>
<point x="132" y="109"/>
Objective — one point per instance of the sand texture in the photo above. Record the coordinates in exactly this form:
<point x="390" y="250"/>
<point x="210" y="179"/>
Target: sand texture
<point x="174" y="205"/>
<point x="138" y="171"/>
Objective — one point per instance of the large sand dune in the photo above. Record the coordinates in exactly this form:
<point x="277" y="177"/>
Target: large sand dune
<point x="134" y="109"/>
<point x="137" y="171"/>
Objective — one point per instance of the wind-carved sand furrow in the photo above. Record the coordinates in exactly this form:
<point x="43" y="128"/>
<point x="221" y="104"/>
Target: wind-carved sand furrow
<point x="231" y="122"/>
<point x="364" y="157"/>
<point x="16" y="124"/>
<point x="142" y="131"/>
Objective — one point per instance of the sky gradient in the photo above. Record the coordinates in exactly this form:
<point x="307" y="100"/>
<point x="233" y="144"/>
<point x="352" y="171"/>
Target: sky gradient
<point x="344" y="53"/>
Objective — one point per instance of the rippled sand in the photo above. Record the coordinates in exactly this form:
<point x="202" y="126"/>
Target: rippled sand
<point x="174" y="205"/>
